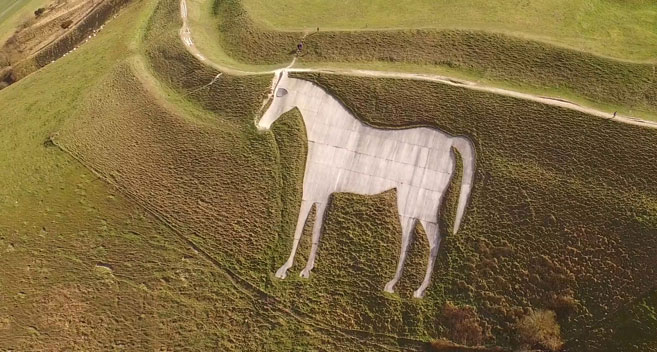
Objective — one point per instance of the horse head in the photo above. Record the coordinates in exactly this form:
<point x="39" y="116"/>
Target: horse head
<point x="281" y="101"/>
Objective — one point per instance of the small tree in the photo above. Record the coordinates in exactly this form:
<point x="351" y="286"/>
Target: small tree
<point x="39" y="11"/>
<point x="540" y="329"/>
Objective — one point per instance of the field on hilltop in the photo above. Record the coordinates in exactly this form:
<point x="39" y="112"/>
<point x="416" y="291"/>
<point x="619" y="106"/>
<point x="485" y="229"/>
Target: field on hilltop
<point x="229" y="34"/>
<point x="621" y="29"/>
<point x="14" y="12"/>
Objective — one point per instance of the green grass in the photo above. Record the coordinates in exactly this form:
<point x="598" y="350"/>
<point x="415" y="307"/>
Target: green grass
<point x="613" y="28"/>
<point x="14" y="12"/>
<point x="550" y="218"/>
<point x="631" y="329"/>
<point x="61" y="223"/>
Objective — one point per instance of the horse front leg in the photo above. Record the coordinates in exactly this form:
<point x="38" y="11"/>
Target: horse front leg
<point x="317" y="234"/>
<point x="281" y="273"/>
<point x="433" y="236"/>
<point x="408" y="225"/>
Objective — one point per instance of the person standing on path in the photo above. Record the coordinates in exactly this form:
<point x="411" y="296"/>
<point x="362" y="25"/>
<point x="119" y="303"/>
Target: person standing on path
<point x="614" y="114"/>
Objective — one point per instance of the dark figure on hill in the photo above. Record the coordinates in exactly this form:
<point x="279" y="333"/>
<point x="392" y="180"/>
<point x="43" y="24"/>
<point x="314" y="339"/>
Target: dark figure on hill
<point x="299" y="47"/>
<point x="614" y="114"/>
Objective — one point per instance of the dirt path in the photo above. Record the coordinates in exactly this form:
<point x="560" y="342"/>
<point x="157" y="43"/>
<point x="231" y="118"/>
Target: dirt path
<point x="185" y="36"/>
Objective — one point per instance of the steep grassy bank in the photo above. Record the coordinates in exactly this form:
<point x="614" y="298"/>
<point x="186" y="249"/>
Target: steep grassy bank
<point x="182" y="145"/>
<point x="566" y="222"/>
<point x="530" y="64"/>
<point x="539" y="204"/>
<point x="618" y="29"/>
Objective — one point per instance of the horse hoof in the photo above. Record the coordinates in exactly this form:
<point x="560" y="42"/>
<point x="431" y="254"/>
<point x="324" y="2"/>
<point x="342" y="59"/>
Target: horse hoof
<point x="390" y="287"/>
<point x="281" y="273"/>
<point x="305" y="273"/>
<point x="418" y="294"/>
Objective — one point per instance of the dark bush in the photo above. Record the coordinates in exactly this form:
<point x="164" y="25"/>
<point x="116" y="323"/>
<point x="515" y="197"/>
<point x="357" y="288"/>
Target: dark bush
<point x="66" y="24"/>
<point x="464" y="324"/>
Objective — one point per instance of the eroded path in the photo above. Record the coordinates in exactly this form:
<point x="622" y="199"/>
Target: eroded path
<point x="186" y="37"/>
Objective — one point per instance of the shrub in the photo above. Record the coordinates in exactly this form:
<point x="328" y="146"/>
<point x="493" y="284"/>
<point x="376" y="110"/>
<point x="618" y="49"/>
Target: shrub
<point x="539" y="329"/>
<point x="66" y="24"/>
<point x="563" y="304"/>
<point x="39" y="11"/>
<point x="464" y="324"/>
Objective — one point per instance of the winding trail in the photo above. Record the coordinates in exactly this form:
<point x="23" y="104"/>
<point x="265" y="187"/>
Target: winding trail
<point x="186" y="37"/>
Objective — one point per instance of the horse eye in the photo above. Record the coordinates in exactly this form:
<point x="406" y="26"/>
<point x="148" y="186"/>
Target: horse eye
<point x="281" y="92"/>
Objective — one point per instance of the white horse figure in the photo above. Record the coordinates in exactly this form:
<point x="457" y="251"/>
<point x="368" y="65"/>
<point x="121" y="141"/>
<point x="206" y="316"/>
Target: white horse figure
<point x="345" y="155"/>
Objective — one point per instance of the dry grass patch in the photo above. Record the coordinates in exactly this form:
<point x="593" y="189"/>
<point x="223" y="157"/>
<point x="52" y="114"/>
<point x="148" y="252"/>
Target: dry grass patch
<point x="539" y="329"/>
<point x="465" y="326"/>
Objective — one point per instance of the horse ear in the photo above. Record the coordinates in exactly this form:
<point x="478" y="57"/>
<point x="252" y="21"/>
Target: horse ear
<point x="281" y="92"/>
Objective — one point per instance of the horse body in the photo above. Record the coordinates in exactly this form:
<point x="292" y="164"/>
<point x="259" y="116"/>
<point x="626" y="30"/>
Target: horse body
<point x="345" y="155"/>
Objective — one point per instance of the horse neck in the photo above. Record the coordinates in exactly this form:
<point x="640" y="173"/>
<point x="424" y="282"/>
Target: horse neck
<point x="323" y="103"/>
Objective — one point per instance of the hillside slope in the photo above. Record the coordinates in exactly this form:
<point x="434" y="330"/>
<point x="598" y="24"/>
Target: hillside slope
<point x="157" y="213"/>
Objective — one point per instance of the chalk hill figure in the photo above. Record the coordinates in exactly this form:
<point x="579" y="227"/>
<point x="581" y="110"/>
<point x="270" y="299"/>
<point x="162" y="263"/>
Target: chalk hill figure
<point x="345" y="155"/>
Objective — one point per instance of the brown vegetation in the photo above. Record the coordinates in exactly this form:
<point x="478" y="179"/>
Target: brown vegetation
<point x="464" y="325"/>
<point x="442" y="345"/>
<point x="66" y="24"/>
<point x="539" y="329"/>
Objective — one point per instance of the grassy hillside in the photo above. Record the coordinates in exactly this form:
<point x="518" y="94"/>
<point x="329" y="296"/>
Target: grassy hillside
<point x="567" y="223"/>
<point x="169" y="235"/>
<point x="493" y="58"/>
<point x="218" y="182"/>
<point x="84" y="267"/>
<point x="619" y="29"/>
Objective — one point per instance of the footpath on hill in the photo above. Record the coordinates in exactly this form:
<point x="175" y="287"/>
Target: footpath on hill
<point x="186" y="37"/>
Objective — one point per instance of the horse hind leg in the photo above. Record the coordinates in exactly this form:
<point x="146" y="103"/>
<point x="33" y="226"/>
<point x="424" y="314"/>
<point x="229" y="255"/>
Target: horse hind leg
<point x="281" y="273"/>
<point x="433" y="235"/>
<point x="408" y="225"/>
<point x="317" y="234"/>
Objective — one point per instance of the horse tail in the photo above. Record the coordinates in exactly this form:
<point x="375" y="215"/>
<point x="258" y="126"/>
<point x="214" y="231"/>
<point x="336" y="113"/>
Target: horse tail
<point x="466" y="149"/>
